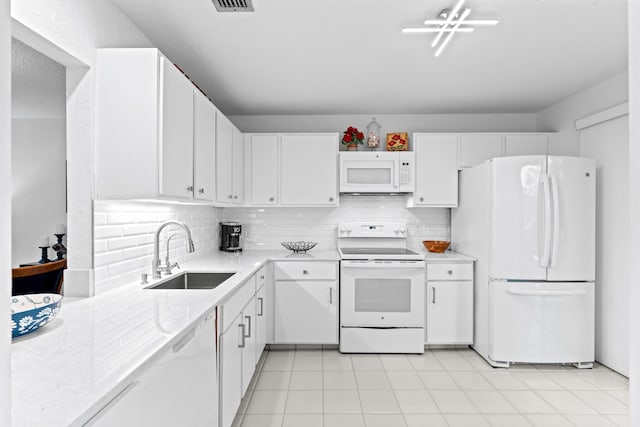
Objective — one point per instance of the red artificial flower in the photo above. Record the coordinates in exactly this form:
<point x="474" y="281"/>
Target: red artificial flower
<point x="360" y="135"/>
<point x="347" y="138"/>
<point x="349" y="129"/>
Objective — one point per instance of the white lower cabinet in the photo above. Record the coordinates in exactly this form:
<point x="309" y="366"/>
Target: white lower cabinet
<point x="262" y="306"/>
<point x="306" y="303"/>
<point x="179" y="388"/>
<point x="449" y="303"/>
<point x="240" y="345"/>
<point x="248" y="343"/>
<point x="231" y="371"/>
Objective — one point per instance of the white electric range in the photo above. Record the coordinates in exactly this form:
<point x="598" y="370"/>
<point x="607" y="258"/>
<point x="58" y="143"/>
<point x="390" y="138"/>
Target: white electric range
<point x="382" y="307"/>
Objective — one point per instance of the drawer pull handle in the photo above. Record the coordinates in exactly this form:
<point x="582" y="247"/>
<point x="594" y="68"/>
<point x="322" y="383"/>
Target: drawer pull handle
<point x="262" y="277"/>
<point x="241" y="328"/>
<point x="330" y="295"/>
<point x="449" y="272"/>
<point x="433" y="295"/>
<point x="248" y="326"/>
<point x="305" y="272"/>
<point x="261" y="312"/>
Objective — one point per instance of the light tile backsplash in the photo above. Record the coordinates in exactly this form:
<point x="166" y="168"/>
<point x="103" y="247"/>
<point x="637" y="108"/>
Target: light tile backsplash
<point x="123" y="238"/>
<point x="123" y="231"/>
<point x="265" y="228"/>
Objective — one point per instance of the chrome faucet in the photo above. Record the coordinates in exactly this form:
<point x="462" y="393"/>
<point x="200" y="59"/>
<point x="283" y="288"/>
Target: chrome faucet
<point x="168" y="266"/>
<point x="155" y="262"/>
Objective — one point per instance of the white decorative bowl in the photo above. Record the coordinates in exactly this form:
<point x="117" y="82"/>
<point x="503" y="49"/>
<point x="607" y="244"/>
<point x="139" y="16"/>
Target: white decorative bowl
<point x="29" y="312"/>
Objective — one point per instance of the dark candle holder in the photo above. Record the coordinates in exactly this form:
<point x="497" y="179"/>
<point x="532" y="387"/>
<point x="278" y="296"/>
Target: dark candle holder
<point x="59" y="247"/>
<point x="45" y="255"/>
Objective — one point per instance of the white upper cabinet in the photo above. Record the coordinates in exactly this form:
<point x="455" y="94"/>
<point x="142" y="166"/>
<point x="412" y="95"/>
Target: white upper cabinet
<point x="436" y="169"/>
<point x="292" y="169"/>
<point x="263" y="168"/>
<point x="476" y="148"/>
<point x="204" y="139"/>
<point x="309" y="169"/>
<point x="525" y="144"/>
<point x="148" y="120"/>
<point x="229" y="162"/>
<point x="237" y="175"/>
<point x="176" y="132"/>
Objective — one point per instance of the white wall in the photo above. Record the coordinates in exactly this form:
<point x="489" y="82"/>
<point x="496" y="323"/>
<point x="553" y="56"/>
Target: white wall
<point x="5" y="213"/>
<point x="634" y="200"/>
<point x="38" y="109"/>
<point x="608" y="144"/>
<point x="38" y="185"/>
<point x="266" y="228"/>
<point x="124" y="233"/>
<point x="389" y="123"/>
<point x="561" y="116"/>
<point x="70" y="31"/>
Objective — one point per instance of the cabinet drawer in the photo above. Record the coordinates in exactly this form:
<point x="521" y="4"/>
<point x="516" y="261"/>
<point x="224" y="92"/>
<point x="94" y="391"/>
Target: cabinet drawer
<point x="261" y="277"/>
<point x="442" y="271"/>
<point x="236" y="302"/>
<point x="306" y="271"/>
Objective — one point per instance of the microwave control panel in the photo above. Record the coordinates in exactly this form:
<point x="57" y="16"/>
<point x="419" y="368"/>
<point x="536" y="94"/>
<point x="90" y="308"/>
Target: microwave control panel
<point x="406" y="172"/>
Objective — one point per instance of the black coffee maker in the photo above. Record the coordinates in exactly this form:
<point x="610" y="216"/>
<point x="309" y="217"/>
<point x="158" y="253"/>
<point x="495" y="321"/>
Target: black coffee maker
<point x="230" y="237"/>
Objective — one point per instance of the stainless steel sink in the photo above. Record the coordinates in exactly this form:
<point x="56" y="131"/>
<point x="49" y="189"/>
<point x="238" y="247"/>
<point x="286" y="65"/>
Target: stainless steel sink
<point x="193" y="281"/>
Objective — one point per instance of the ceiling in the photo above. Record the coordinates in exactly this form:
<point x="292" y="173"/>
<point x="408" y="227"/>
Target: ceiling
<point x="37" y="84"/>
<point x="350" y="56"/>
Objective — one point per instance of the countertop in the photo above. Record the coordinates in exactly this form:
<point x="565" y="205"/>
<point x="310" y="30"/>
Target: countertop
<point x="446" y="256"/>
<point x="72" y="367"/>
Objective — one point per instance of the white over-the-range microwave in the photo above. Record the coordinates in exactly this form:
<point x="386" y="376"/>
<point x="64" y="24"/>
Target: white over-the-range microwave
<point x="377" y="172"/>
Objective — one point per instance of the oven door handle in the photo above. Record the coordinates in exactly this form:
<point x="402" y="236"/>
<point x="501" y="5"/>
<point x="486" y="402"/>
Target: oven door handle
<point x="409" y="265"/>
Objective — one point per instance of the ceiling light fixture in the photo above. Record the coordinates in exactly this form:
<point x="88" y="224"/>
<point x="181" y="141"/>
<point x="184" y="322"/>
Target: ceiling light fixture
<point x="451" y="21"/>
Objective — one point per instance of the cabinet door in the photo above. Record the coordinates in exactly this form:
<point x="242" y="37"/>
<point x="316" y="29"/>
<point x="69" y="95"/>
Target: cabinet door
<point x="519" y="145"/>
<point x="436" y="170"/>
<point x="237" y="172"/>
<point x="475" y="149"/>
<point x="224" y="154"/>
<point x="449" y="312"/>
<point x="305" y="312"/>
<point x="309" y="170"/>
<point x="231" y="344"/>
<point x="261" y="321"/>
<point x="204" y="139"/>
<point x="176" y="133"/>
<point x="249" y="349"/>
<point x="264" y="169"/>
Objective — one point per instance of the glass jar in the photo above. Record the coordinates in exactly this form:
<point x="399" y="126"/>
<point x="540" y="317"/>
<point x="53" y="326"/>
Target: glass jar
<point x="373" y="134"/>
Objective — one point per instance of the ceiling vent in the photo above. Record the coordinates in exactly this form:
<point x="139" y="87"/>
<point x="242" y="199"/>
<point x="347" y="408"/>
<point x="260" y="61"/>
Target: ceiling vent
<point x="233" y="5"/>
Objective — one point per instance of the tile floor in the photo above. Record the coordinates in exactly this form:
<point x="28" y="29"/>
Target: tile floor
<point x="455" y="388"/>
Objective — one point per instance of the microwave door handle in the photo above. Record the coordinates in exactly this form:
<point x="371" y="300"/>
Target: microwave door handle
<point x="396" y="173"/>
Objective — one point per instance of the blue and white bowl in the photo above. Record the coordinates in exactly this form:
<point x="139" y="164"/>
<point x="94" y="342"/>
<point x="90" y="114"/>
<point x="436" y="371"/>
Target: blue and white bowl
<point x="29" y="312"/>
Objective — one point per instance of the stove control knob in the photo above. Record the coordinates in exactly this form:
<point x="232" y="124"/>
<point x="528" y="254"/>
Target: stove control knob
<point x="342" y="229"/>
<point x="402" y="230"/>
<point x="397" y="229"/>
<point x="348" y="229"/>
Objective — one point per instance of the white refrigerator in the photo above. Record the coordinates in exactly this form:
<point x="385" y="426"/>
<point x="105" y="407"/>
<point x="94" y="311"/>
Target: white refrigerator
<point x="530" y="222"/>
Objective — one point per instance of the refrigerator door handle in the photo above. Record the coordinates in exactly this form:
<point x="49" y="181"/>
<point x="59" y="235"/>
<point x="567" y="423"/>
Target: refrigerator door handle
<point x="546" y="251"/>
<point x="546" y="293"/>
<point x="556" y="221"/>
